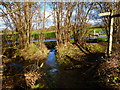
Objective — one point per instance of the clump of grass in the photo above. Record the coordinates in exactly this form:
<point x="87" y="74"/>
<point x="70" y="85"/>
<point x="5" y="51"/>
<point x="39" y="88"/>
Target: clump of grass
<point x="34" y="56"/>
<point x="67" y="49"/>
<point x="34" y="52"/>
<point x="39" y="86"/>
<point x="96" y="47"/>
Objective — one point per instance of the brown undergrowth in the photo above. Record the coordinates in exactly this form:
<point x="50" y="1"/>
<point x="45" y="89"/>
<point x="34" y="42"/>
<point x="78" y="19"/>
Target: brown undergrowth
<point x="109" y="69"/>
<point x="22" y="67"/>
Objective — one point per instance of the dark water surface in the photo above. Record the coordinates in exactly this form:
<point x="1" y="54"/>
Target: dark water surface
<point x="57" y="78"/>
<point x="62" y="78"/>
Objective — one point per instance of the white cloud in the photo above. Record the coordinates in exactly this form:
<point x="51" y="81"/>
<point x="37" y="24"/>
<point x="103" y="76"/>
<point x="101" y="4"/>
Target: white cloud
<point x="47" y="14"/>
<point x="49" y="20"/>
<point x="95" y="21"/>
<point x="1" y="20"/>
<point x="2" y="26"/>
<point x="93" y="12"/>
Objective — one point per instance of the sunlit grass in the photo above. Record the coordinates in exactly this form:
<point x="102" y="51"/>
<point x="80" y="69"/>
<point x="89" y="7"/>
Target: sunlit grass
<point x="97" y="30"/>
<point x="52" y="34"/>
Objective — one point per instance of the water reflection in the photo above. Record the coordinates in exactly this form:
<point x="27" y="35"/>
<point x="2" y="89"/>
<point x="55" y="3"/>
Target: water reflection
<point x="51" y="60"/>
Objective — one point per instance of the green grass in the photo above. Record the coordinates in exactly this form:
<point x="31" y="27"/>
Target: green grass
<point x="71" y="41"/>
<point x="39" y="86"/>
<point x="97" y="30"/>
<point x="102" y="39"/>
<point x="51" y="34"/>
<point x="98" y="40"/>
<point x="48" y="34"/>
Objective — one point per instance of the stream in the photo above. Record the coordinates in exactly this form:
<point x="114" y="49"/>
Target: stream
<point x="57" y="78"/>
<point x="60" y="78"/>
<point x="51" y="69"/>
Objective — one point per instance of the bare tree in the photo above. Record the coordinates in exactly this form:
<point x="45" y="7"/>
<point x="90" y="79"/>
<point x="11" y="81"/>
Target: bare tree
<point x="20" y="15"/>
<point x="57" y="10"/>
<point x="81" y="27"/>
<point x="69" y="7"/>
<point x="116" y="33"/>
<point x="109" y="22"/>
<point x="62" y="18"/>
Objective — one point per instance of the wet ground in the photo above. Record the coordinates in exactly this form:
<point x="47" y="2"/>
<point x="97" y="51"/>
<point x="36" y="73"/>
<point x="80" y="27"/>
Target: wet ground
<point x="56" y="77"/>
<point x="60" y="78"/>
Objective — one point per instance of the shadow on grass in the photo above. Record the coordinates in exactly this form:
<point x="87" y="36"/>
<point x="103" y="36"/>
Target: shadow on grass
<point x="87" y="69"/>
<point x="89" y="60"/>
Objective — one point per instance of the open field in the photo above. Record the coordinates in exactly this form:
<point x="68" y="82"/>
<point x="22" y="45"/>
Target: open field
<point x="97" y="30"/>
<point x="51" y="34"/>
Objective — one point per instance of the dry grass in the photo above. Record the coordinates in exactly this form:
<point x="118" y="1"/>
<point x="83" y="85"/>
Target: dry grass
<point x="73" y="51"/>
<point x="30" y="58"/>
<point x="109" y="70"/>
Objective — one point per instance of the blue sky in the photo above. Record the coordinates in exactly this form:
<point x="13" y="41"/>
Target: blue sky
<point x="49" y="21"/>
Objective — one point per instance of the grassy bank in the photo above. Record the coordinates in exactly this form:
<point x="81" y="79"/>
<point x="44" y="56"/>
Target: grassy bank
<point x="48" y="44"/>
<point x="70" y="51"/>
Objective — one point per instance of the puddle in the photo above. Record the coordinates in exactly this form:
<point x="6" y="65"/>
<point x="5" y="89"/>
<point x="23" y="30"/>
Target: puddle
<point x="54" y="70"/>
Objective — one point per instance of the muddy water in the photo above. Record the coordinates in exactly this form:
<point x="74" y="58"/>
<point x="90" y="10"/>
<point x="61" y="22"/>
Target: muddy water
<point x="51" y="59"/>
<point x="57" y="78"/>
<point x="51" y="69"/>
